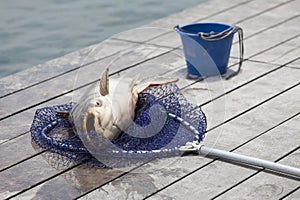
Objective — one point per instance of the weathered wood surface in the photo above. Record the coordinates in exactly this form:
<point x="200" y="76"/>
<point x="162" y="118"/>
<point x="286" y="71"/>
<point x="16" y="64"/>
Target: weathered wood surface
<point x="255" y="113"/>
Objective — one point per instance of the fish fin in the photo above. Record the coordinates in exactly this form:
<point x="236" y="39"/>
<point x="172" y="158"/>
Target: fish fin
<point x="140" y="87"/>
<point x="104" y="83"/>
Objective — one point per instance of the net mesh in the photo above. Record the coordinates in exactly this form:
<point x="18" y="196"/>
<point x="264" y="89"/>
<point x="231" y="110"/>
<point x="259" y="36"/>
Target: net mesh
<point x="55" y="134"/>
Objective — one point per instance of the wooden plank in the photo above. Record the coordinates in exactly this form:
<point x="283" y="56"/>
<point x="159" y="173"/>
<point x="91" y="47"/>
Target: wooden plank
<point x="253" y="123"/>
<point x="246" y="100"/>
<point x="143" y="181"/>
<point x="54" y="189"/>
<point x="241" y="14"/>
<point x="295" y="195"/>
<point x="143" y="66"/>
<point x="9" y="149"/>
<point x="19" y="142"/>
<point x="9" y="156"/>
<point x="287" y="51"/>
<point x="258" y="43"/>
<point x="214" y="141"/>
<point x="237" y="101"/>
<point x="215" y="179"/>
<point x="24" y="175"/>
<point x="72" y="184"/>
<point x="211" y="88"/>
<point x="59" y="66"/>
<point x="269" y="18"/>
<point x="16" y="158"/>
<point x="197" y="13"/>
<point x="11" y="126"/>
<point x="266" y="185"/>
<point x="163" y="172"/>
<point x="36" y="94"/>
<point x="295" y="64"/>
<point x="219" y="175"/>
<point x="258" y="68"/>
<point x="172" y="39"/>
<point x="140" y="34"/>
<point x="173" y="62"/>
<point x="251" y="11"/>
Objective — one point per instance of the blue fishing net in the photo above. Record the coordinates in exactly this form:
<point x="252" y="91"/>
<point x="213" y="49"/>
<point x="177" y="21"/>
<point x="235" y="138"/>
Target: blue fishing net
<point x="55" y="134"/>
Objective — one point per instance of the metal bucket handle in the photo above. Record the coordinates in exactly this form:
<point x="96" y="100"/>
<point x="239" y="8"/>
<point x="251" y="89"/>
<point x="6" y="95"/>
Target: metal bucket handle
<point x="212" y="36"/>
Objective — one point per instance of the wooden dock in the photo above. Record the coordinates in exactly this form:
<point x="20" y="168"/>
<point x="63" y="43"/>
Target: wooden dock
<point x="255" y="113"/>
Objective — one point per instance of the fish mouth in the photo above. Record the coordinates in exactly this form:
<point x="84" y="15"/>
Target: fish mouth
<point x="90" y="123"/>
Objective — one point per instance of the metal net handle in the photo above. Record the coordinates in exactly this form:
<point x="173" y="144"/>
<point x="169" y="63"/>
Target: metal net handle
<point x="212" y="36"/>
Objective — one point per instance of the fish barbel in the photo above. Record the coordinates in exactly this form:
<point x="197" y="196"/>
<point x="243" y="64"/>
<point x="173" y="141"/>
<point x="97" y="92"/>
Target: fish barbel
<point x="109" y="108"/>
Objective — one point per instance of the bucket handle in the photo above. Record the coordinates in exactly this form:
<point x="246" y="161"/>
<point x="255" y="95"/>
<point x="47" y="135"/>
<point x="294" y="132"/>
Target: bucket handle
<point x="241" y="47"/>
<point x="212" y="36"/>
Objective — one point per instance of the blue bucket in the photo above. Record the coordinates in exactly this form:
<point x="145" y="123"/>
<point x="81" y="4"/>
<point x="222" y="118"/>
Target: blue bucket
<point x="207" y="47"/>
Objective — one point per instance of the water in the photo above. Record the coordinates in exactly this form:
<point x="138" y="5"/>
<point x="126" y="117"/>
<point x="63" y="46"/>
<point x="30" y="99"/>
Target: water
<point x="34" y="31"/>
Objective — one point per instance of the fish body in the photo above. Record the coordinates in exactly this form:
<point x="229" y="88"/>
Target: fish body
<point x="109" y="107"/>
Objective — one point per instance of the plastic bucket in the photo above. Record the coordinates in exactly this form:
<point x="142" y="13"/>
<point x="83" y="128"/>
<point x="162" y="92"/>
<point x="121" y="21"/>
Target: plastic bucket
<point x="207" y="46"/>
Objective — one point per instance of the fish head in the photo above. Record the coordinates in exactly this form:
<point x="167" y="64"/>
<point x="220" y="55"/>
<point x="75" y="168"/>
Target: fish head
<point x="94" y="112"/>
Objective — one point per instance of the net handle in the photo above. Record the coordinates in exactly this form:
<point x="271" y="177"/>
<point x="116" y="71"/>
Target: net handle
<point x="206" y="151"/>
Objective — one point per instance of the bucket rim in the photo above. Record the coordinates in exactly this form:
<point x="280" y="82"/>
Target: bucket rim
<point x="196" y="23"/>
